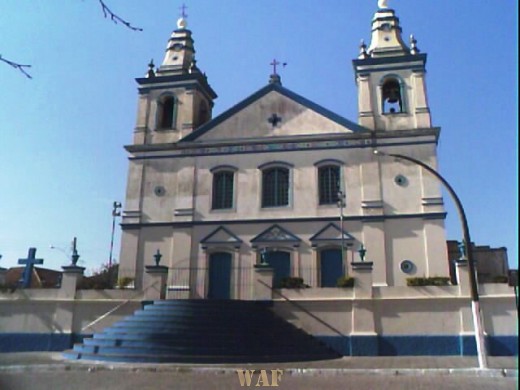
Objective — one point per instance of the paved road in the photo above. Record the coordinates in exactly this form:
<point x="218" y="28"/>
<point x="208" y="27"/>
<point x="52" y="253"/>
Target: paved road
<point x="118" y="380"/>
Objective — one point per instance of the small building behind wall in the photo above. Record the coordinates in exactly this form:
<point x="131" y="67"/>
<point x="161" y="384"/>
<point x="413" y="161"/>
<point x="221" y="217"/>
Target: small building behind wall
<point x="491" y="263"/>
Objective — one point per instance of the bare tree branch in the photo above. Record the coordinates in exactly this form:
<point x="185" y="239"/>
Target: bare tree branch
<point x="18" y="66"/>
<point x="115" y="18"/>
<point x="108" y="14"/>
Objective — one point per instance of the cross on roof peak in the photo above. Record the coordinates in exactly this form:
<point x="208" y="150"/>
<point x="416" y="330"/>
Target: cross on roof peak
<point x="275" y="63"/>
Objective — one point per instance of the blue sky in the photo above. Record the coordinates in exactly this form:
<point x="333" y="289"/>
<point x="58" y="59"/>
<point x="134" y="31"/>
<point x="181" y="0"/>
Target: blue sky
<point x="62" y="161"/>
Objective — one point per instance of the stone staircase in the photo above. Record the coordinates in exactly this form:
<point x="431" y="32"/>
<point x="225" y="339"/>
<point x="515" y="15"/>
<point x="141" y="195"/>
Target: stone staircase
<point x="201" y="331"/>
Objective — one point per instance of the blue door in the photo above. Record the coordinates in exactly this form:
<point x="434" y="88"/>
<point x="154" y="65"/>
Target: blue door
<point x="281" y="264"/>
<point x="331" y="267"/>
<point x="219" y="276"/>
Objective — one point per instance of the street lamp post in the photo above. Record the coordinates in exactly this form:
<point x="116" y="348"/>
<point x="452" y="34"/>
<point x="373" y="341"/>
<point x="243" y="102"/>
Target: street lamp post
<point x="73" y="256"/>
<point x="67" y="254"/>
<point x="475" y="302"/>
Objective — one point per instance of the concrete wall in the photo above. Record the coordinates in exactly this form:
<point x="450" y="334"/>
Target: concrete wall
<point x="406" y="320"/>
<point x="39" y="320"/>
<point x="386" y="321"/>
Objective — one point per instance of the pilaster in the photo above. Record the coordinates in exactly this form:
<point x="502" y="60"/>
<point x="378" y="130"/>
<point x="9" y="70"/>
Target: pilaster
<point x="363" y="336"/>
<point x="155" y="287"/>
<point x="263" y="283"/>
<point x="71" y="277"/>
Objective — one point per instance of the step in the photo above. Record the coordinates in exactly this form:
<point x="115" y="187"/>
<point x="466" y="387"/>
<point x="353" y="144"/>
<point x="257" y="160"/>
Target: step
<point x="202" y="309"/>
<point x="211" y="302"/>
<point x="258" y="349"/>
<point x="201" y="331"/>
<point x="200" y="323"/>
<point x="186" y="330"/>
<point x="188" y="312"/>
<point x="127" y="340"/>
<point x="145" y="358"/>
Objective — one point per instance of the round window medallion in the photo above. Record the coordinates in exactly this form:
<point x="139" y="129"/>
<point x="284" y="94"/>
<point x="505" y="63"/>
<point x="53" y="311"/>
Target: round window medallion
<point x="400" y="180"/>
<point x="159" y="191"/>
<point x="407" y="266"/>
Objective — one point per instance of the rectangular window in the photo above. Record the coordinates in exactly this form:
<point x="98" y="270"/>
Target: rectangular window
<point x="329" y="184"/>
<point x="275" y="187"/>
<point x="223" y="190"/>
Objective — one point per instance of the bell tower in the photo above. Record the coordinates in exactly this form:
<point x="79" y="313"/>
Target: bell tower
<point x="390" y="77"/>
<point x="175" y="98"/>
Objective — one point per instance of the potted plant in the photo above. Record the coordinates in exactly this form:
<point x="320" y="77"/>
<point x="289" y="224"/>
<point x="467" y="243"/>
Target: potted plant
<point x="430" y="281"/>
<point x="345" y="281"/>
<point x="292" y="282"/>
<point x="125" y="282"/>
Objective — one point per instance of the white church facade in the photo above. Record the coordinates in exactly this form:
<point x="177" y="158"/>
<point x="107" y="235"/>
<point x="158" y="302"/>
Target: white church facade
<point x="263" y="180"/>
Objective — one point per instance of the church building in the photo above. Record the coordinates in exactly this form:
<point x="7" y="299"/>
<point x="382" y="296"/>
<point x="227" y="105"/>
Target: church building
<point x="246" y="233"/>
<point x="280" y="180"/>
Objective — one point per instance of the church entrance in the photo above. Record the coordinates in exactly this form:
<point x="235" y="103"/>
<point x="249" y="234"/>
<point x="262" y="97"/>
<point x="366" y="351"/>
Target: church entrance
<point x="281" y="264"/>
<point x="219" y="276"/>
<point x="331" y="267"/>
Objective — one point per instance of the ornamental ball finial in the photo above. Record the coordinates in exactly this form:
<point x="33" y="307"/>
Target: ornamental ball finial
<point x="382" y="4"/>
<point x="182" y="23"/>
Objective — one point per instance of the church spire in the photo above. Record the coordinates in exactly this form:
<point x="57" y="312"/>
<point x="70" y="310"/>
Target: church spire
<point x="174" y="98"/>
<point x="180" y="52"/>
<point x="391" y="77"/>
<point x="386" y="33"/>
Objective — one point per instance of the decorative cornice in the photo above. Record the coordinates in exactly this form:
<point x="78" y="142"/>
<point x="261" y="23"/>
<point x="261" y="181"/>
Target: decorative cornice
<point x="265" y="147"/>
<point x="362" y="218"/>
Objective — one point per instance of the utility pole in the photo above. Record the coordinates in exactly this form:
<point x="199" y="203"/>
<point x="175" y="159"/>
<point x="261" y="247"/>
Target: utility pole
<point x="341" y="205"/>
<point x="116" y="212"/>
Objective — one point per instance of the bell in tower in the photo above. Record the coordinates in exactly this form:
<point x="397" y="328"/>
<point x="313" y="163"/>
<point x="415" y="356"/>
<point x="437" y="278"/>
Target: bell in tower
<point x="392" y="100"/>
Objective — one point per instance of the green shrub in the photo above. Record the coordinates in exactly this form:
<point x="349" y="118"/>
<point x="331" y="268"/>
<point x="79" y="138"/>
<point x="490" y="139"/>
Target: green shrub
<point x="431" y="281"/>
<point x="11" y="288"/>
<point x="105" y="278"/>
<point x="345" y="281"/>
<point x="124" y="282"/>
<point x="292" y="282"/>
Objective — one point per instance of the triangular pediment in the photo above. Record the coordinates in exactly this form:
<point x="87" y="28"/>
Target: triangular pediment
<point x="221" y="236"/>
<point x="331" y="234"/>
<point x="273" y="111"/>
<point x="275" y="234"/>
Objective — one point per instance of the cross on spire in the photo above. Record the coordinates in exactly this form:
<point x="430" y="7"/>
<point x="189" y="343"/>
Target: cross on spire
<point x="183" y="9"/>
<point x="29" y="262"/>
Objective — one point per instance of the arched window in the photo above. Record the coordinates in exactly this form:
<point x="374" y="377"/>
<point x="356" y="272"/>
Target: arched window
<point x="329" y="183"/>
<point x="223" y="183"/>
<point x="275" y="187"/>
<point x="166" y="109"/>
<point x="392" y="96"/>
